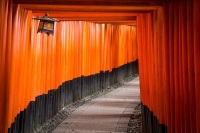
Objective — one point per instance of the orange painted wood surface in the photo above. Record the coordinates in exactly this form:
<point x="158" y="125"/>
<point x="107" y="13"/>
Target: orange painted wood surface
<point x="166" y="44"/>
<point x="196" y="73"/>
<point x="169" y="74"/>
<point x="31" y="64"/>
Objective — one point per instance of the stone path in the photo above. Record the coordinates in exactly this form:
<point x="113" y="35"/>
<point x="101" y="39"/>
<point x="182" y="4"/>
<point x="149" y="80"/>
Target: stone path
<point x="109" y="113"/>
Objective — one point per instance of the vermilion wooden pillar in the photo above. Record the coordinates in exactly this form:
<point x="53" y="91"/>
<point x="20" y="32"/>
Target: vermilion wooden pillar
<point x="139" y="39"/>
<point x="166" y="66"/>
<point x="171" y="63"/>
<point x="5" y="59"/>
<point x="176" y="68"/>
<point x="196" y="11"/>
<point x="191" y="79"/>
<point x="184" y="85"/>
<point x="149" y="59"/>
<point x="181" y="89"/>
<point x="4" y="7"/>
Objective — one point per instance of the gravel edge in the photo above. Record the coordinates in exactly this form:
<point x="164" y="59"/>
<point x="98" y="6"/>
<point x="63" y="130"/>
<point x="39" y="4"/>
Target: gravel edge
<point x="135" y="122"/>
<point x="52" y="123"/>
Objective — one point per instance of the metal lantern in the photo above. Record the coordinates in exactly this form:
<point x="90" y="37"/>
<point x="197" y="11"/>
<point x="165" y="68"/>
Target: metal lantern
<point x="46" y="24"/>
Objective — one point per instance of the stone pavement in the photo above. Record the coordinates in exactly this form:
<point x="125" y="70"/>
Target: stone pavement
<point x="109" y="113"/>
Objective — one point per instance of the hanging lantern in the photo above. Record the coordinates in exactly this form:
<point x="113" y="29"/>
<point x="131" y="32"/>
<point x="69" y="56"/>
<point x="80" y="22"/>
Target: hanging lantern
<point x="46" y="24"/>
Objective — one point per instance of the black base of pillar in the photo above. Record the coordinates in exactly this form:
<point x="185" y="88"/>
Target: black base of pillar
<point x="150" y="123"/>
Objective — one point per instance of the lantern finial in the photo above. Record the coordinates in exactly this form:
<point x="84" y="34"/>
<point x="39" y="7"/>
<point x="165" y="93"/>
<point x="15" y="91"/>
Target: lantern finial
<point x="46" y="14"/>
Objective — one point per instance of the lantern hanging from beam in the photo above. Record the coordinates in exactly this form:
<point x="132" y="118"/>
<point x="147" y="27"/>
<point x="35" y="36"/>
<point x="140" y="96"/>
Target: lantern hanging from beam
<point x="46" y="24"/>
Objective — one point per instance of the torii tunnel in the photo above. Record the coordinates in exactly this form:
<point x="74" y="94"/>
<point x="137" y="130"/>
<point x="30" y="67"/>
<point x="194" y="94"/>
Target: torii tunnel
<point x="98" y="43"/>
